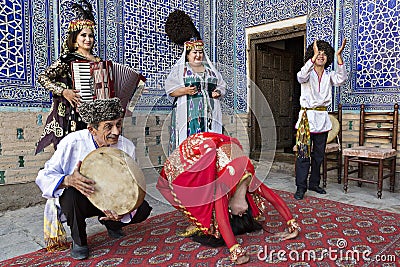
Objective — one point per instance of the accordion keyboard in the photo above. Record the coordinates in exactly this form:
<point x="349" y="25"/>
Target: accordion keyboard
<point x="94" y="80"/>
<point x="83" y="81"/>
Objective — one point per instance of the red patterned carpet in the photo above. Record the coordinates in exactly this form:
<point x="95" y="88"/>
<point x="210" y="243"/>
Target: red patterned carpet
<point x="332" y="234"/>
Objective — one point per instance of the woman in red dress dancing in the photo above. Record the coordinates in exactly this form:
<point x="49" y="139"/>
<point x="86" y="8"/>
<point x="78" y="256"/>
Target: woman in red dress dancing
<point x="210" y="179"/>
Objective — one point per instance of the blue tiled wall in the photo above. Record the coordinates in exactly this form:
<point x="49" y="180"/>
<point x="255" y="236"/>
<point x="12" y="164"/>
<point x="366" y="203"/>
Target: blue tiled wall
<point x="31" y="33"/>
<point x="373" y="28"/>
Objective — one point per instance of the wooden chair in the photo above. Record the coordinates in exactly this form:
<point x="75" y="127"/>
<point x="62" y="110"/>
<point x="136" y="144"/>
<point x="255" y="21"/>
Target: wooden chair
<point x="374" y="126"/>
<point x="333" y="149"/>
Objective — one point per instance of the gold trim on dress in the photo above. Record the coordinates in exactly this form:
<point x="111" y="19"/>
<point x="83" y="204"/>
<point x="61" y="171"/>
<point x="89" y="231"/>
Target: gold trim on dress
<point x="61" y="109"/>
<point x="189" y="233"/>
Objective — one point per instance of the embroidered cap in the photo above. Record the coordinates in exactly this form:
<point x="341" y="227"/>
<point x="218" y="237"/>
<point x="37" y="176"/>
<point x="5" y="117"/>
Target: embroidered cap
<point x="194" y="44"/>
<point x="101" y="110"/>
<point x="79" y="24"/>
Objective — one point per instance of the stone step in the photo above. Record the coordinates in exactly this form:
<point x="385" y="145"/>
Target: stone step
<point x="23" y="149"/>
<point x="29" y="134"/>
<point x="39" y="157"/>
<point x="30" y="161"/>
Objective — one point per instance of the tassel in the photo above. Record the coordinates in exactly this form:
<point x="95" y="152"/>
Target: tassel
<point x="55" y="236"/>
<point x="56" y="244"/>
<point x="303" y="141"/>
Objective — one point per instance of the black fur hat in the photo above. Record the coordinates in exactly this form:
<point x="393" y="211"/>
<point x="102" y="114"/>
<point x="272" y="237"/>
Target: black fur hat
<point x="324" y="46"/>
<point x="180" y="27"/>
<point x="101" y="110"/>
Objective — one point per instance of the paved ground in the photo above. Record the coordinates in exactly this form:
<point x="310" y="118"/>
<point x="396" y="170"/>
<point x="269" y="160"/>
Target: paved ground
<point x="21" y="231"/>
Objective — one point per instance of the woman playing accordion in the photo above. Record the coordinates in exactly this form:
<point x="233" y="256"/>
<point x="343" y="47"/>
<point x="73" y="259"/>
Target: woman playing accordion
<point x="57" y="78"/>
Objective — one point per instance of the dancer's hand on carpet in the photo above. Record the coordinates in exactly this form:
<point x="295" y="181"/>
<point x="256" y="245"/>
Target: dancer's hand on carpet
<point x="242" y="259"/>
<point x="287" y="235"/>
<point x="238" y="254"/>
<point x="111" y="216"/>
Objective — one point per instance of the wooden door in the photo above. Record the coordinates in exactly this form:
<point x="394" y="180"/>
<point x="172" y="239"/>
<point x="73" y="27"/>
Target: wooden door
<point x="275" y="79"/>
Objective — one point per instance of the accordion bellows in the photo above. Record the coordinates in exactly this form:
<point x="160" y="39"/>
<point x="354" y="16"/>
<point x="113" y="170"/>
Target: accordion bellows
<point x="105" y="79"/>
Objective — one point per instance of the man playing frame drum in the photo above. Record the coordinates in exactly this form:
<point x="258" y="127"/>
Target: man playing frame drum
<point x="68" y="192"/>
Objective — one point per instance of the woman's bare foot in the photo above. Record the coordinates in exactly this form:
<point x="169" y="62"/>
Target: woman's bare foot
<point x="238" y="203"/>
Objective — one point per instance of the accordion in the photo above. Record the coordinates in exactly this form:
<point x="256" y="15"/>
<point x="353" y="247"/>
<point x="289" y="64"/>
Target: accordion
<point x="105" y="79"/>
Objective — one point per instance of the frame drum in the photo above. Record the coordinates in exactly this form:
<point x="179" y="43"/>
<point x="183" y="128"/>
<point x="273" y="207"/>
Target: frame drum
<point x="120" y="184"/>
<point x="335" y="129"/>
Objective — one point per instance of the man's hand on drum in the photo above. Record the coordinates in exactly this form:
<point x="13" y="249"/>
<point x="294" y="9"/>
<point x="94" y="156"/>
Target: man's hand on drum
<point x="80" y="182"/>
<point x="111" y="216"/>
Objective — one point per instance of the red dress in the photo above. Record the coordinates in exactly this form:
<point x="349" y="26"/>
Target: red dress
<point x="201" y="176"/>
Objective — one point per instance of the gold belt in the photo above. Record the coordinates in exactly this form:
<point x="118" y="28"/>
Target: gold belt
<point x="316" y="108"/>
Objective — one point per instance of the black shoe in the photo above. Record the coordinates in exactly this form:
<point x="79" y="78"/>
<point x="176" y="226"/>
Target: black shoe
<point x="142" y="213"/>
<point x="115" y="233"/>
<point x="317" y="189"/>
<point x="79" y="252"/>
<point x="299" y="193"/>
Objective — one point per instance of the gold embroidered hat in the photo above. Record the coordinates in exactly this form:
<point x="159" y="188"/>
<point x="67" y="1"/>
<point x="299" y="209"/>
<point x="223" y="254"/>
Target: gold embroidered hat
<point x="194" y="44"/>
<point x="79" y="24"/>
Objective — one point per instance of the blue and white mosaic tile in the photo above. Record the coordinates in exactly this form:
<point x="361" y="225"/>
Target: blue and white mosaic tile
<point x="373" y="28"/>
<point x="234" y="17"/>
<point x="31" y="33"/>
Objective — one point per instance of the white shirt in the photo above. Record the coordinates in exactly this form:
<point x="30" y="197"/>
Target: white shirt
<point x="317" y="92"/>
<point x="72" y="148"/>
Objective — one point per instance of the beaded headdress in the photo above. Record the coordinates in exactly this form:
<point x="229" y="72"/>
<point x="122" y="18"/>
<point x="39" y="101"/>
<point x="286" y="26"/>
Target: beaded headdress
<point x="194" y="44"/>
<point x="83" y="19"/>
<point x="181" y="30"/>
<point x="79" y="24"/>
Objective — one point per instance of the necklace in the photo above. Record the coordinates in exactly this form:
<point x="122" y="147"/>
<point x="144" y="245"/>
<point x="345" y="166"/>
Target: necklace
<point x="89" y="57"/>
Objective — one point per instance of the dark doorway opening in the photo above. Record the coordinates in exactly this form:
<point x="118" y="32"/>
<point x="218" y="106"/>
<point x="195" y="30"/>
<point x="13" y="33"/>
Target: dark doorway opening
<point x="275" y="60"/>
